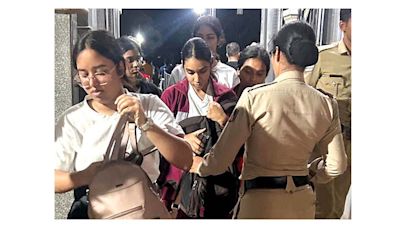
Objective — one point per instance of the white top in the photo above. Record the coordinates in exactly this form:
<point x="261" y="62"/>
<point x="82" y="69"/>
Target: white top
<point x="225" y="75"/>
<point x="198" y="107"/>
<point x="82" y="134"/>
<point x="177" y="74"/>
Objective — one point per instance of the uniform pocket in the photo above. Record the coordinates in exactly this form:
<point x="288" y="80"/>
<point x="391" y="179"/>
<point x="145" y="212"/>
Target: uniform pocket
<point x="331" y="83"/>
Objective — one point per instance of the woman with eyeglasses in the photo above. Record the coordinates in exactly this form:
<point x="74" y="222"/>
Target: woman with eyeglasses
<point x="281" y="123"/>
<point x="83" y="132"/>
<point x="133" y="58"/>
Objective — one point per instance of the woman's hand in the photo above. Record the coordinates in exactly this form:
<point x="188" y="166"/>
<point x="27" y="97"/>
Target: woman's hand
<point x="66" y="181"/>
<point x="194" y="141"/>
<point x="216" y="113"/>
<point x="196" y="163"/>
<point x="131" y="105"/>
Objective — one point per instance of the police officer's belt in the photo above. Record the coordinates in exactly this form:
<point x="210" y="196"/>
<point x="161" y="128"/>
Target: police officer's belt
<point x="274" y="182"/>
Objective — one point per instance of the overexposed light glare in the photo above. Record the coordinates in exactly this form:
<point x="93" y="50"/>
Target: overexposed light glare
<point x="199" y="11"/>
<point x="139" y="38"/>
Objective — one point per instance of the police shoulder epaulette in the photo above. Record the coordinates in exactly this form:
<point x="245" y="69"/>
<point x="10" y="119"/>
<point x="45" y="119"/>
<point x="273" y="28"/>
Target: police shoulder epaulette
<point x="260" y="86"/>
<point x="326" y="93"/>
<point x="328" y="46"/>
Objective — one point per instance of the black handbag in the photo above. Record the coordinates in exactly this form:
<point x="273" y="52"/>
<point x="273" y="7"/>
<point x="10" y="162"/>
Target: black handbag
<point x="212" y="197"/>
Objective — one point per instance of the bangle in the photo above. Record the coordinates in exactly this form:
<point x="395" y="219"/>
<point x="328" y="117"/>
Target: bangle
<point x="146" y="126"/>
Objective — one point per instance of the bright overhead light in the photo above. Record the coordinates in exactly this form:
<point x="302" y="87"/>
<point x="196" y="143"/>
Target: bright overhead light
<point x="199" y="11"/>
<point x="139" y="38"/>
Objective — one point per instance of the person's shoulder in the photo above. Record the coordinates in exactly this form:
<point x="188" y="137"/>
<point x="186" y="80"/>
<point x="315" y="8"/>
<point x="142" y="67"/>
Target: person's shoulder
<point x="220" y="89"/>
<point x="149" y="88"/>
<point x="320" y="93"/>
<point x="144" y="96"/>
<point x="324" y="93"/>
<point x="328" y="47"/>
<point x="149" y="100"/>
<point x="173" y="90"/>
<point x="177" y="68"/>
<point x="73" y="112"/>
<point x="260" y="87"/>
<point x="224" y="67"/>
<point x="232" y="64"/>
<point x="177" y="74"/>
<point x="181" y="85"/>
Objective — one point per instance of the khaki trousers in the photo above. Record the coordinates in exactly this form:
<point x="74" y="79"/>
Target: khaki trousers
<point x="331" y="197"/>
<point x="290" y="203"/>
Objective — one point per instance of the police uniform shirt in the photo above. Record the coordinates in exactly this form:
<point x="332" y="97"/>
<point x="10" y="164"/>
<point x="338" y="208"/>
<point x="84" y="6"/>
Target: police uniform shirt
<point x="332" y="74"/>
<point x="280" y="123"/>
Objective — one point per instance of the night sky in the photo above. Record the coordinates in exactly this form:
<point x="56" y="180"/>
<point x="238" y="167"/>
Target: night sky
<point x="166" y="30"/>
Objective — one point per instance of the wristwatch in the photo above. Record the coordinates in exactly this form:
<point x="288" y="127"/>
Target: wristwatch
<point x="146" y="126"/>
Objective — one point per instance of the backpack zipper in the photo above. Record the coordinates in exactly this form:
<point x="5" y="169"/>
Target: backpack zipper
<point x="138" y="208"/>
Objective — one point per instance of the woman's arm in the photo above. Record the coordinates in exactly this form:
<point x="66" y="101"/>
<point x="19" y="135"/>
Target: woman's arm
<point x="174" y="149"/>
<point x="66" y="181"/>
<point x="333" y="160"/>
<point x="222" y="154"/>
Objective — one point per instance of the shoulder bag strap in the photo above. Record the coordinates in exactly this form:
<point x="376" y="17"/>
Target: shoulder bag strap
<point x="135" y="151"/>
<point x="114" y="146"/>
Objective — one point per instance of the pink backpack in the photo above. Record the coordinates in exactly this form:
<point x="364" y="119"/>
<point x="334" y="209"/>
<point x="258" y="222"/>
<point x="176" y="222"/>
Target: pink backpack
<point x="121" y="189"/>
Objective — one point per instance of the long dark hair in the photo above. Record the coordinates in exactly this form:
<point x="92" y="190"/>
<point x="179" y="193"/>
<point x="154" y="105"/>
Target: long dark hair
<point x="196" y="47"/>
<point x="104" y="43"/>
<point x="212" y="22"/>
<point x="127" y="43"/>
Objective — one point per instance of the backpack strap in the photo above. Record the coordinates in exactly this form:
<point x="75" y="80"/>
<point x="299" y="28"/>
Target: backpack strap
<point x="113" y="149"/>
<point x="133" y="138"/>
<point x="136" y="156"/>
<point x="124" y="142"/>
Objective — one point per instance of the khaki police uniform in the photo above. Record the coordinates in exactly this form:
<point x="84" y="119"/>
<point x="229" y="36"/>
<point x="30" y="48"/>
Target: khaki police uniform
<point x="280" y="124"/>
<point x="332" y="74"/>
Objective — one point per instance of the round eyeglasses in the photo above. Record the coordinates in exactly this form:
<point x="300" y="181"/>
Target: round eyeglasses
<point x="101" y="74"/>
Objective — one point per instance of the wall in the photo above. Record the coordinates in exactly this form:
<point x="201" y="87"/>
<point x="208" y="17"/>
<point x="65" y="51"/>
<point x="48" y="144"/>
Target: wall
<point x="64" y="24"/>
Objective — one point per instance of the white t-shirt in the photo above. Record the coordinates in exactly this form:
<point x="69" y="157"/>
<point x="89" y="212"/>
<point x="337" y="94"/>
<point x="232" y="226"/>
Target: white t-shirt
<point x="177" y="74"/>
<point x="225" y="75"/>
<point x="82" y="135"/>
<point x="198" y="107"/>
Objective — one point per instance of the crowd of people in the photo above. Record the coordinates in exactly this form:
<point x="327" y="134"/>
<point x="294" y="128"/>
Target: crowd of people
<point x="290" y="139"/>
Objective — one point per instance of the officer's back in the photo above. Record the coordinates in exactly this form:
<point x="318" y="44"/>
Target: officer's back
<point x="281" y="124"/>
<point x="292" y="118"/>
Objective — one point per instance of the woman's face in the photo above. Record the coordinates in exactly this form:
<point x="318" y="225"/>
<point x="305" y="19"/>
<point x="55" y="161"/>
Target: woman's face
<point x="197" y="73"/>
<point x="98" y="76"/>
<point x="133" y="63"/>
<point x="252" y="72"/>
<point x="206" y="33"/>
